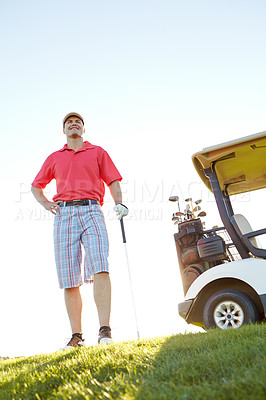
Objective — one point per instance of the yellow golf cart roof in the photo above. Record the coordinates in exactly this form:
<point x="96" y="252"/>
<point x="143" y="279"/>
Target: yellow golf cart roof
<point x="240" y="164"/>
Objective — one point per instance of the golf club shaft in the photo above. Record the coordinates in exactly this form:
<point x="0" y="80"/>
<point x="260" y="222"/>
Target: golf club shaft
<point x="129" y="275"/>
<point x="123" y="230"/>
<point x="192" y="209"/>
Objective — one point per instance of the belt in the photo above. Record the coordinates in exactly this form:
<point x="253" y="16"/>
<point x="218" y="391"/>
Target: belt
<point x="85" y="202"/>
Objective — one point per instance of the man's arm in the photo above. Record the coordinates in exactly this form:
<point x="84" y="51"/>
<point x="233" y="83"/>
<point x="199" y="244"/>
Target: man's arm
<point x="40" y="197"/>
<point x="116" y="193"/>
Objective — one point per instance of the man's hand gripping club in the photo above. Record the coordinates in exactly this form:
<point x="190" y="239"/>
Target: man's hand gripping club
<point x="121" y="211"/>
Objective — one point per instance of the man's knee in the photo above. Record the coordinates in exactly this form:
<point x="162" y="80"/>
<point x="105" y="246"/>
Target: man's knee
<point x="102" y="273"/>
<point x="72" y="289"/>
<point x="102" y="278"/>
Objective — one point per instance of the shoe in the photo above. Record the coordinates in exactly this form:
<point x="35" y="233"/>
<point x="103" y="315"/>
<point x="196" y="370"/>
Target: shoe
<point x="105" y="335"/>
<point x="75" y="341"/>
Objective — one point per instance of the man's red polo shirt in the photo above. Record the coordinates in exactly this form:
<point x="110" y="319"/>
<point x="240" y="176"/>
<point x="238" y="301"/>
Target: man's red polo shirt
<point x="79" y="174"/>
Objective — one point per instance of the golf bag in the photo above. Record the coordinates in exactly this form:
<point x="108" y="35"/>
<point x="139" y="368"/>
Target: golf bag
<point x="190" y="263"/>
<point x="197" y="252"/>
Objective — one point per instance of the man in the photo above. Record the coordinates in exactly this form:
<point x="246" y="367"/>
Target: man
<point x="80" y="169"/>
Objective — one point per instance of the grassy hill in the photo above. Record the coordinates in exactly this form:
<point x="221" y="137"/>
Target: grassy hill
<point x="213" y="365"/>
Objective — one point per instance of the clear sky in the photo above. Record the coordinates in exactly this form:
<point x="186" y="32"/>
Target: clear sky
<point x="156" y="81"/>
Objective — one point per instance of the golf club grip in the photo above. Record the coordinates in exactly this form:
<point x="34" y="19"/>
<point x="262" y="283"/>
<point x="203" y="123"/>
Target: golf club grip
<point x="123" y="230"/>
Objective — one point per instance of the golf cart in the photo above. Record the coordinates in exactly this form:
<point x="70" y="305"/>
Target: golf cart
<point x="223" y="269"/>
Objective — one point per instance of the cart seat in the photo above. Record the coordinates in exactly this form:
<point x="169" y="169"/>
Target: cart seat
<point x="248" y="236"/>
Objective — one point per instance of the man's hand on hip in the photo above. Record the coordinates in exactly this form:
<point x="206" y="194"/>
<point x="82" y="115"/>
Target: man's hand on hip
<point x="51" y="206"/>
<point x="40" y="197"/>
<point x="121" y="211"/>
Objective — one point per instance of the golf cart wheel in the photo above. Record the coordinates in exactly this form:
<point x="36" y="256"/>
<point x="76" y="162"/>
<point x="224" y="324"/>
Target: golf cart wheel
<point x="229" y="309"/>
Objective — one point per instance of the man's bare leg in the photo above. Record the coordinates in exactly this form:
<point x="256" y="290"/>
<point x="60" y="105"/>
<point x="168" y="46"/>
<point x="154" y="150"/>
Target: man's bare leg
<point x="102" y="297"/>
<point x="73" y="303"/>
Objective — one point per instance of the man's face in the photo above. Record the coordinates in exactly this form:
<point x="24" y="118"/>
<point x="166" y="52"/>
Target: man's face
<point x="73" y="127"/>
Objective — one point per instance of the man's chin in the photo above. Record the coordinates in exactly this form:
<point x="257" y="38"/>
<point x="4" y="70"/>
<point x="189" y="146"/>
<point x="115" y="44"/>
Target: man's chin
<point x="75" y="136"/>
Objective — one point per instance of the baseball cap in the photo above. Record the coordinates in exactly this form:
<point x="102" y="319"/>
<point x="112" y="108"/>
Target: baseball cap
<point x="72" y="114"/>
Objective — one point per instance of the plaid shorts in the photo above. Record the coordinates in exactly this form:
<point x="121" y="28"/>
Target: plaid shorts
<point x="75" y="226"/>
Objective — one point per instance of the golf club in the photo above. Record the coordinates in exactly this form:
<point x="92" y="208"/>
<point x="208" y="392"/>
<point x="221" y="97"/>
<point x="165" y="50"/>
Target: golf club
<point x="131" y="288"/>
<point x="190" y="214"/>
<point x="202" y="214"/>
<point x="198" y="208"/>
<point x="190" y="201"/>
<point x="175" y="198"/>
<point x="177" y="215"/>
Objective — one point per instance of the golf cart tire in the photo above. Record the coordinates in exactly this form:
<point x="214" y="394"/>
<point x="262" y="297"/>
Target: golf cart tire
<point x="229" y="309"/>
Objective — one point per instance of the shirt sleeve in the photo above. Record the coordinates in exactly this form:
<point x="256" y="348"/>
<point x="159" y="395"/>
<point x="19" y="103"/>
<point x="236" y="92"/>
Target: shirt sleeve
<point x="45" y="175"/>
<point x="108" y="170"/>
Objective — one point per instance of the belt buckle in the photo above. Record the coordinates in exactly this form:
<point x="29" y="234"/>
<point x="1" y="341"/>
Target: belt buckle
<point x="75" y="202"/>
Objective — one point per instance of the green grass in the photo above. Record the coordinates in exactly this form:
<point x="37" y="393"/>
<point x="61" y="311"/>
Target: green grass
<point x="214" y="365"/>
